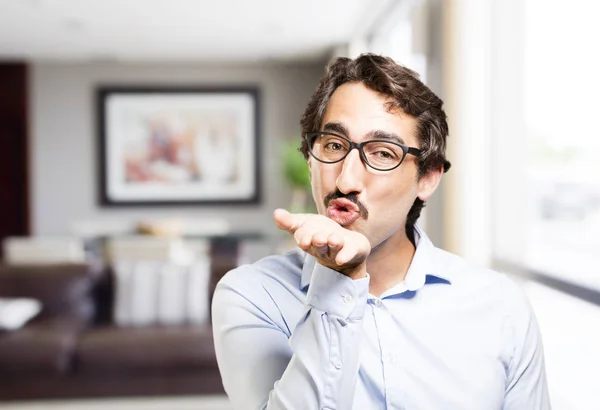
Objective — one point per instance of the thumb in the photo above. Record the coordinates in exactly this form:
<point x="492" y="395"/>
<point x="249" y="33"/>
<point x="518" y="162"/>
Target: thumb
<point x="287" y="221"/>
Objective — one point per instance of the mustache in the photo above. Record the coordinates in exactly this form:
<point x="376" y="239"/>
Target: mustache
<point x="352" y="197"/>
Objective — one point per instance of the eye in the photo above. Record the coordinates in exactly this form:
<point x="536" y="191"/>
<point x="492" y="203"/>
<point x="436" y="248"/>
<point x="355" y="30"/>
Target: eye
<point x="334" y="146"/>
<point x="383" y="154"/>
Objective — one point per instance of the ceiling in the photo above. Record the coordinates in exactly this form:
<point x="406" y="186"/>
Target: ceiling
<point x="183" y="30"/>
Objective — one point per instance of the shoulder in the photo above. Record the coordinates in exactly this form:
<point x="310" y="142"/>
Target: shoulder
<point x="495" y="296"/>
<point x="261" y="292"/>
<point x="468" y="277"/>
<point x="272" y="283"/>
<point x="282" y="269"/>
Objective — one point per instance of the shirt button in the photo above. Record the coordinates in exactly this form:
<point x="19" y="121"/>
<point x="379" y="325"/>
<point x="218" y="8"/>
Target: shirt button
<point x="337" y="365"/>
<point x="378" y="302"/>
<point x="347" y="298"/>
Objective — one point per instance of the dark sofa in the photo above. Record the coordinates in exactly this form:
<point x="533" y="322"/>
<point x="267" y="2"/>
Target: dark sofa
<point x="72" y="348"/>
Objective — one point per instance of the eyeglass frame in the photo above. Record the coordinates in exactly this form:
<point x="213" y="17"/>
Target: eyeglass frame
<point x="359" y="146"/>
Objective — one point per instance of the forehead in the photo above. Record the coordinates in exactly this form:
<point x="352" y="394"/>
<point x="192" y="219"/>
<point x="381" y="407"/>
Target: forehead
<point x="362" y="111"/>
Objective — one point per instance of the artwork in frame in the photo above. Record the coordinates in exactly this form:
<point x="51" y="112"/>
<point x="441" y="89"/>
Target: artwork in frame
<point x="174" y="146"/>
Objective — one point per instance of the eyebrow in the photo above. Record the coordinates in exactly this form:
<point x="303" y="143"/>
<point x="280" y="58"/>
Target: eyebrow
<point x="340" y="128"/>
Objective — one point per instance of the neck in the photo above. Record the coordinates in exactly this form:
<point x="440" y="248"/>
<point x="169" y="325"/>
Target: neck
<point x="388" y="264"/>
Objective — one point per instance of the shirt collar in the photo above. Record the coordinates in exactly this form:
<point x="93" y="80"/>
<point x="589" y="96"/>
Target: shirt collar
<point x="425" y="264"/>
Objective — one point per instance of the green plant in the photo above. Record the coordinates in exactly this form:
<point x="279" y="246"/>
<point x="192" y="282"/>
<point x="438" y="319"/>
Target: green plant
<point x="297" y="175"/>
<point x="295" y="168"/>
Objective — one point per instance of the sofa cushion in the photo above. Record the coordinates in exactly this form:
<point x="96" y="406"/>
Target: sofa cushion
<point x="162" y="348"/>
<point x="64" y="290"/>
<point x="46" y="347"/>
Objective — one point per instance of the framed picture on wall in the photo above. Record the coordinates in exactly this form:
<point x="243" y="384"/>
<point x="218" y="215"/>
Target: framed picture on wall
<point x="176" y="146"/>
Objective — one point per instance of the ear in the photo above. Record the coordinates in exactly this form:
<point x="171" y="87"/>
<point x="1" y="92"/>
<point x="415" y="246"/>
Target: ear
<point x="429" y="183"/>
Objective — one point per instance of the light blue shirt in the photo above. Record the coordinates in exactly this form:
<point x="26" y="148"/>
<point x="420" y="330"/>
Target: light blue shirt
<point x="292" y="334"/>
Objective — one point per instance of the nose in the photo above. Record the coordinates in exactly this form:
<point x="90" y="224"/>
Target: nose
<point x="351" y="178"/>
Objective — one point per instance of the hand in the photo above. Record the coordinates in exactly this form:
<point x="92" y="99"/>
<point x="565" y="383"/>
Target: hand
<point x="332" y="245"/>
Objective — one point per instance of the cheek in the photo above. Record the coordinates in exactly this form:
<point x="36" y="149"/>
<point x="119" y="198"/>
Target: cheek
<point x="395" y="196"/>
<point x="322" y="183"/>
<point x="323" y="178"/>
<point x="316" y="192"/>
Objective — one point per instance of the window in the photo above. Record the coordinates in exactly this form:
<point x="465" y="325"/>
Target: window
<point x="561" y="112"/>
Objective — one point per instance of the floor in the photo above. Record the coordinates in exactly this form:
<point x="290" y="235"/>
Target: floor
<point x="177" y="403"/>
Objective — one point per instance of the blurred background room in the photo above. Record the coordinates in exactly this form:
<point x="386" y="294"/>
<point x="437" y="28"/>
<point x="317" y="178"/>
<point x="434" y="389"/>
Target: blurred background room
<point x="145" y="143"/>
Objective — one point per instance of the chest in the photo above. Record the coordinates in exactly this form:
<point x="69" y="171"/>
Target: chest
<point x="448" y="357"/>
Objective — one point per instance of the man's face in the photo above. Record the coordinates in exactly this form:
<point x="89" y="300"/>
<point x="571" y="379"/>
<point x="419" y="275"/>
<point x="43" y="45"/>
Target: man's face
<point x="384" y="197"/>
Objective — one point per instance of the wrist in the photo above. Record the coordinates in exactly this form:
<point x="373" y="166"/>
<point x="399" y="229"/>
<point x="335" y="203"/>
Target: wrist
<point x="358" y="272"/>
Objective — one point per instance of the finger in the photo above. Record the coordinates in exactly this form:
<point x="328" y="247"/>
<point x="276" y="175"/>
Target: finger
<point x="346" y="254"/>
<point x="303" y="237"/>
<point x="335" y="242"/>
<point x="288" y="221"/>
<point x="320" y="244"/>
<point x="319" y="239"/>
<point x="331" y="247"/>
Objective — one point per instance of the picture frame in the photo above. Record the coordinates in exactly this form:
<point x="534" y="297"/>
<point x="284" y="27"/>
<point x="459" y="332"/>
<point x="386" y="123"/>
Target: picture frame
<point x="178" y="145"/>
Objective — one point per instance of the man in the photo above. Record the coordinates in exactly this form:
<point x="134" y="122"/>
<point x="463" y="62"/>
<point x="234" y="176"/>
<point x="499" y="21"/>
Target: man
<point x="367" y="313"/>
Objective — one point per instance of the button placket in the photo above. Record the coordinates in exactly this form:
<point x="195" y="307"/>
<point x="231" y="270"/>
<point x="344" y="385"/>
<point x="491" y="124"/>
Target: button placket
<point x="389" y="356"/>
<point x="335" y="359"/>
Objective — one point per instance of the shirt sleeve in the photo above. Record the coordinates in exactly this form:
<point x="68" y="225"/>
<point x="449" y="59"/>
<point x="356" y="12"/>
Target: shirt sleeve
<point x="253" y="352"/>
<point x="526" y="386"/>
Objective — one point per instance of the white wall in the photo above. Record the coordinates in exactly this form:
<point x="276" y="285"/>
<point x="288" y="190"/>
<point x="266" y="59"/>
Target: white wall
<point x="467" y="193"/>
<point x="63" y="139"/>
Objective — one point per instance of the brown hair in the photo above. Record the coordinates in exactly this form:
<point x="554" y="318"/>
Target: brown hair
<point x="406" y="91"/>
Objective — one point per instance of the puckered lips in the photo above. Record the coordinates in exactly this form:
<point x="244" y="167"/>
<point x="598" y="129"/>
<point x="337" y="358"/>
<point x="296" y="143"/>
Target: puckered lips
<point x="343" y="211"/>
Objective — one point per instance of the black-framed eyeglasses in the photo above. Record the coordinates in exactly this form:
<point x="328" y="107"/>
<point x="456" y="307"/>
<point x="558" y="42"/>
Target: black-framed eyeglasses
<point x="382" y="155"/>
